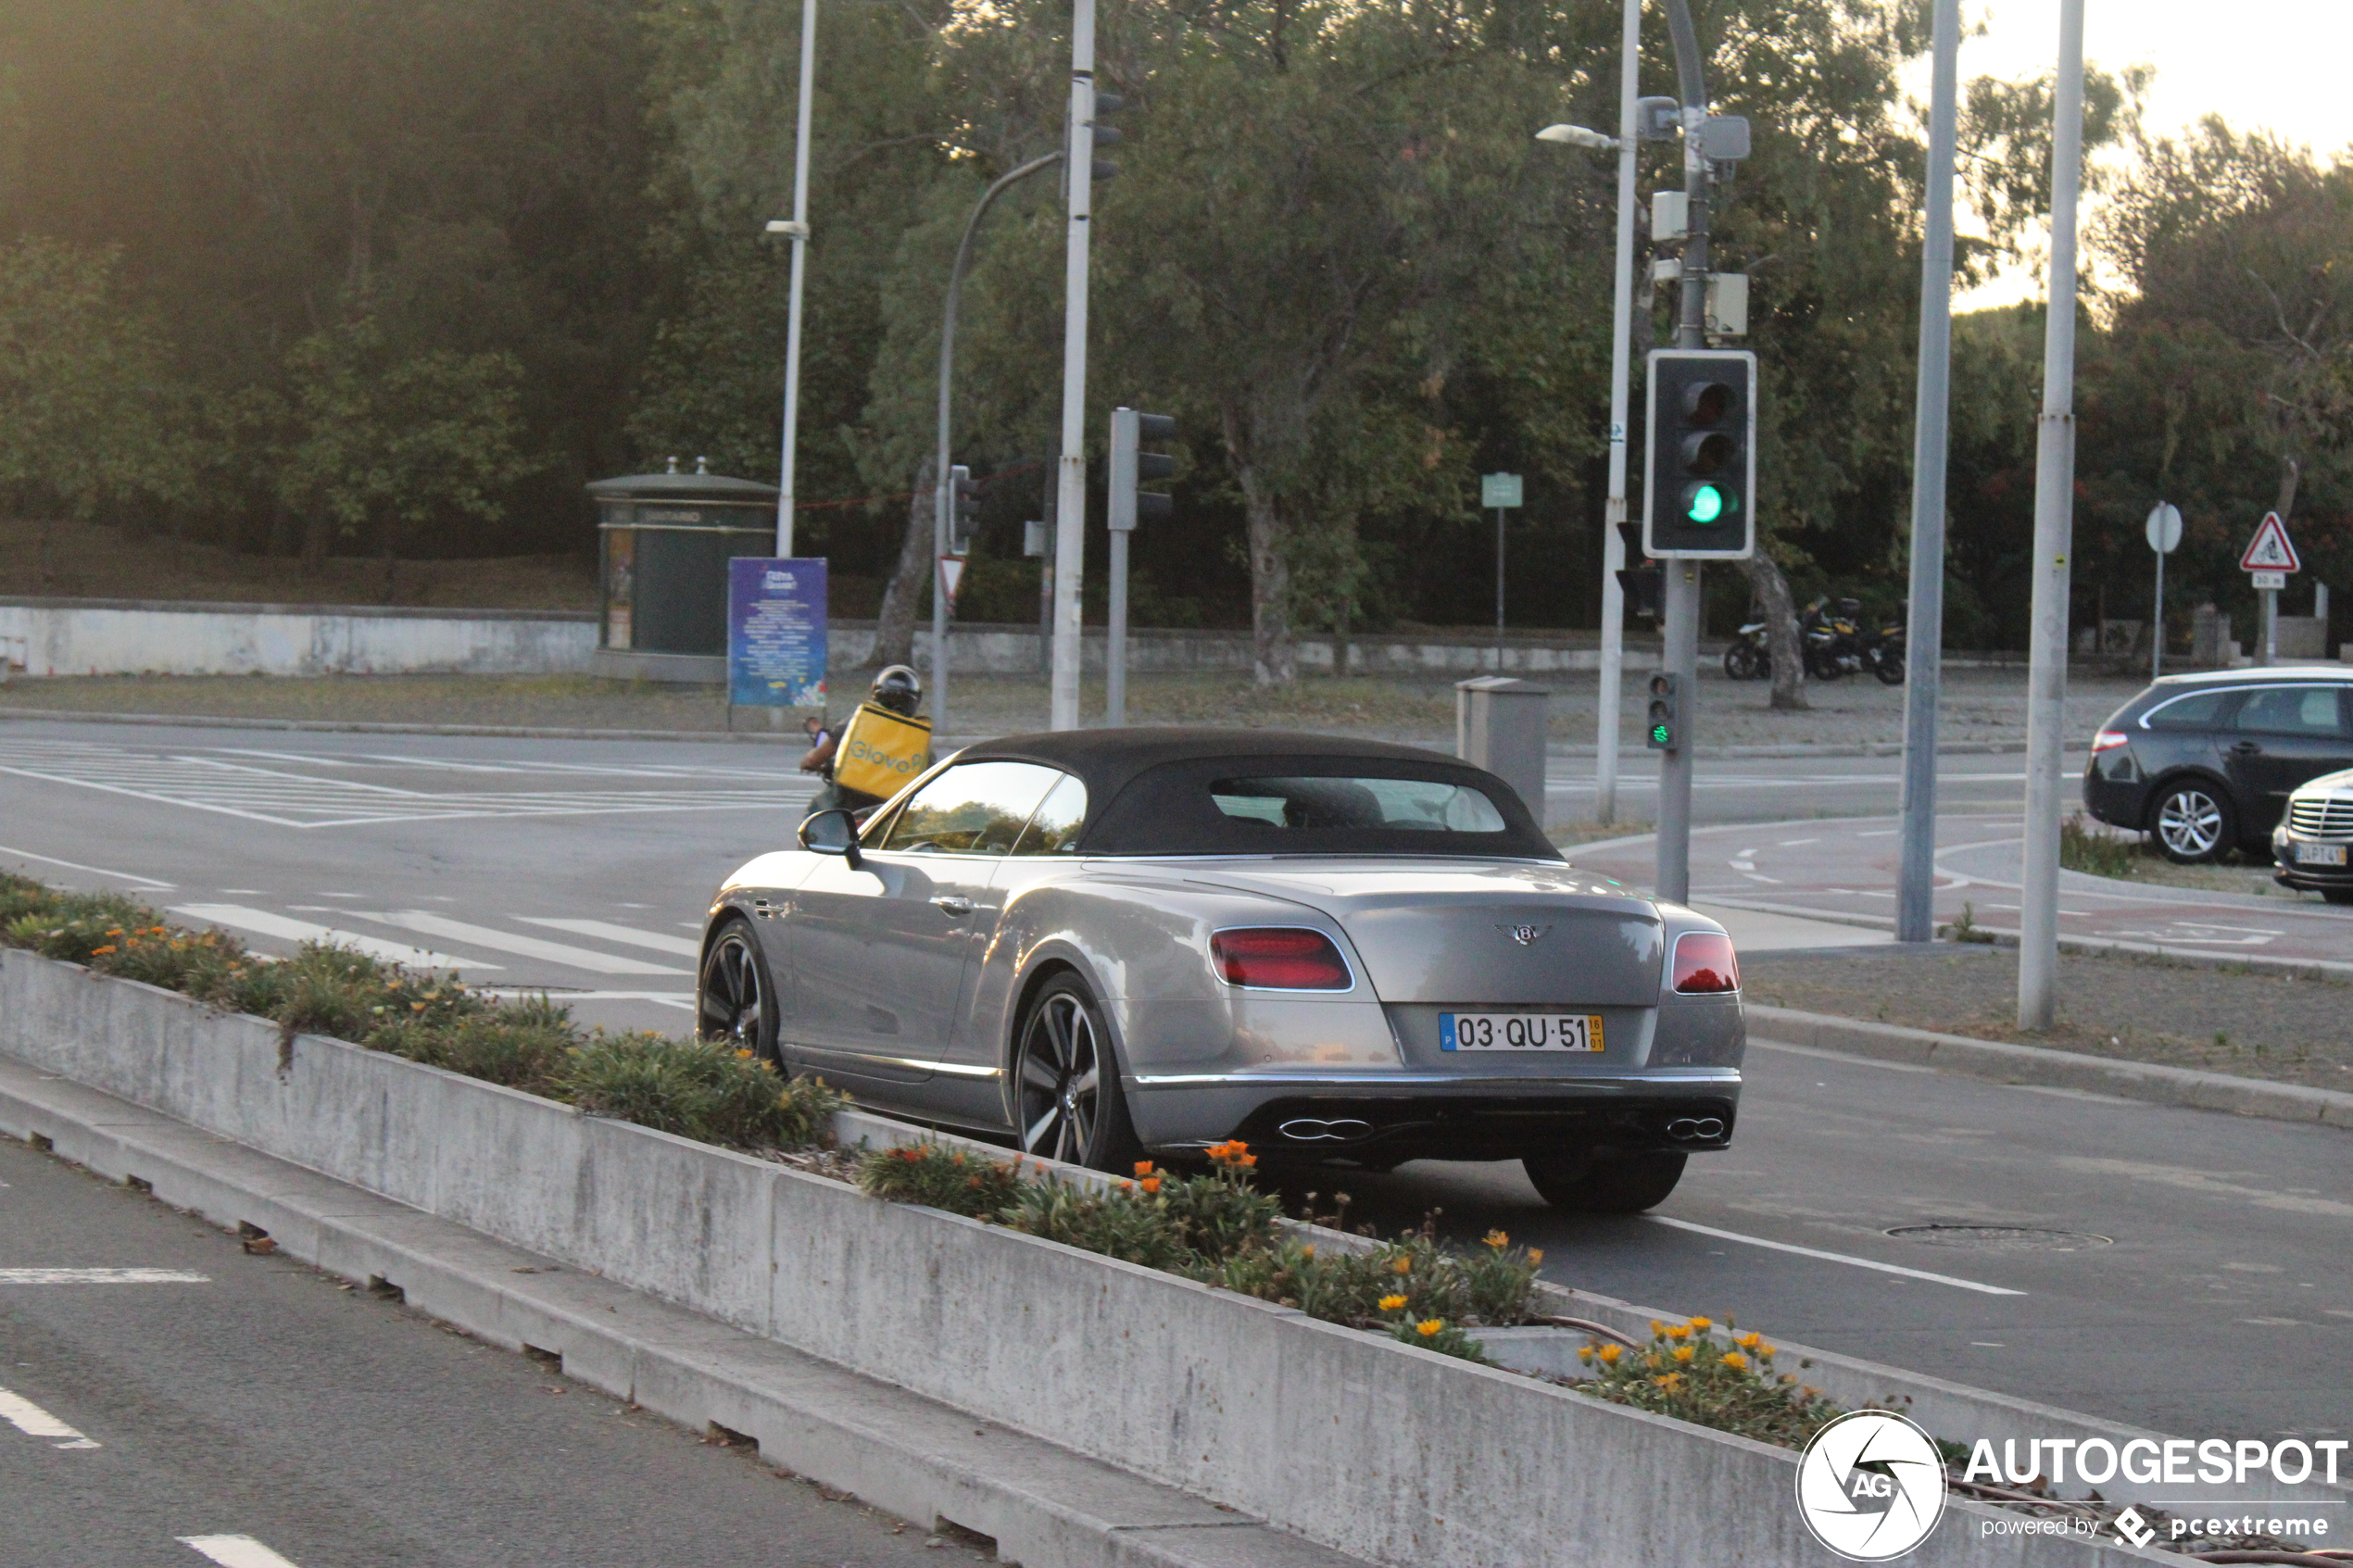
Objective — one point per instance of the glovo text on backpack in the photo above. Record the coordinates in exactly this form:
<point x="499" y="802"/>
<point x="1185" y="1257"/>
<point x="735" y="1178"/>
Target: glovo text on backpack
<point x="880" y="751"/>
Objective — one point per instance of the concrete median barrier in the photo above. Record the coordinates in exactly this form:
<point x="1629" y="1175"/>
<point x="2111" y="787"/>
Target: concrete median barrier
<point x="1345" y="1438"/>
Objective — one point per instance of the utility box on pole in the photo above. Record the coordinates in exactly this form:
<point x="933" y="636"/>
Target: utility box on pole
<point x="1499" y="724"/>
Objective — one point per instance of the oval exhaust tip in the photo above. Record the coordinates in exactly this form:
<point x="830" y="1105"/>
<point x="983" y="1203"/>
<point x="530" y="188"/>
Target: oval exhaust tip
<point x="1309" y="1129"/>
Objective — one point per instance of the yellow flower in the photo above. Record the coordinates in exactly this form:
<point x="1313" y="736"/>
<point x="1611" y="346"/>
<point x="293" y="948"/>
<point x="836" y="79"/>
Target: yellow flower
<point x="1584" y="1352"/>
<point x="1737" y="1361"/>
<point x="1403" y="1265"/>
<point x="1679" y="1332"/>
<point x="1683" y="1352"/>
<point x="1428" y="1328"/>
<point x="1535" y="1254"/>
<point x="1657" y="1328"/>
<point x="1498" y="1240"/>
<point x="1748" y="1341"/>
<point x="1765" y="1351"/>
<point x="1673" y="1383"/>
<point x="1609" y="1354"/>
<point x="1308" y="1251"/>
<point x="1393" y="1303"/>
<point x="1703" y="1324"/>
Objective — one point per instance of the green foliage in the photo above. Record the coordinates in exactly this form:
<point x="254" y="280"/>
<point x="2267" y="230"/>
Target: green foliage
<point x="1687" y="1374"/>
<point x="2083" y="847"/>
<point x="698" y="1090"/>
<point x="939" y="1177"/>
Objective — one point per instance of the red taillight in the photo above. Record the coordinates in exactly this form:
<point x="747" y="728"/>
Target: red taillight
<point x="2109" y="740"/>
<point x="1704" y="962"/>
<point x="1282" y="958"/>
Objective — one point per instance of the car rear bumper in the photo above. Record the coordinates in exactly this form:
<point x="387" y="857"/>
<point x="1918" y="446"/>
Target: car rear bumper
<point x="2117" y="802"/>
<point x="1386" y="1120"/>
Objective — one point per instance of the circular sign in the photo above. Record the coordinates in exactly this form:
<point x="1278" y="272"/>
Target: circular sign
<point x="1871" y="1485"/>
<point x="2165" y="527"/>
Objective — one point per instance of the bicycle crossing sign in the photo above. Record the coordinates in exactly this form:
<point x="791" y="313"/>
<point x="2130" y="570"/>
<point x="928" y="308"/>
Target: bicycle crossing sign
<point x="2270" y="549"/>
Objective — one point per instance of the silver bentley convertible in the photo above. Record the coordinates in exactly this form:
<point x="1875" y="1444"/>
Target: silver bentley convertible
<point x="1109" y="944"/>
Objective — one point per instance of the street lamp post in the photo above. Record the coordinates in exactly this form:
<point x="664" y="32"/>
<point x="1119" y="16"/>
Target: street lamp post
<point x="1070" y="511"/>
<point x="940" y="498"/>
<point x="1620" y="352"/>
<point x="797" y="228"/>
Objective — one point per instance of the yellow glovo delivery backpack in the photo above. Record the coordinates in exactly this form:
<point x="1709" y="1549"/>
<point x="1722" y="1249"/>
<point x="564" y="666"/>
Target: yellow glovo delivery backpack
<point x="880" y="751"/>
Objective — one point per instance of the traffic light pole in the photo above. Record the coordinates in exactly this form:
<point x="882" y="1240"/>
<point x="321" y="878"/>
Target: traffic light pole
<point x="1070" y="513"/>
<point x="1606" y="715"/>
<point x="1680" y="602"/>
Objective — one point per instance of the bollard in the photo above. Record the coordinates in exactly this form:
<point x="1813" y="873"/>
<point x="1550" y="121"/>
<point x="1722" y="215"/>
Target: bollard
<point x="1499" y="724"/>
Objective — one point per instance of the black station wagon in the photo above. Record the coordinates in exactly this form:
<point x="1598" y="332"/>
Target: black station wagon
<point x="2206" y="763"/>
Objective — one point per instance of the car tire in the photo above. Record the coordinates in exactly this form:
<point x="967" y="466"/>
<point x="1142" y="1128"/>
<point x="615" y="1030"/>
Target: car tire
<point x="735" y="1001"/>
<point x="1068" y="1101"/>
<point x="2193" y="823"/>
<point x="1609" y="1185"/>
<point x="2337" y="894"/>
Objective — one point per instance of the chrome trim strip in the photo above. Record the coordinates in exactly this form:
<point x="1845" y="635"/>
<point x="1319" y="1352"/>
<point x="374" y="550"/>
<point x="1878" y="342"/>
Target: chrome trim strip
<point x="1176" y="1080"/>
<point x="958" y="1070"/>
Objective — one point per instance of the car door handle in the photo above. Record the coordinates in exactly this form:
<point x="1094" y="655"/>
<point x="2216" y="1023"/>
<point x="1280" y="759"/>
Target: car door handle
<point x="951" y="904"/>
<point x="2246" y="748"/>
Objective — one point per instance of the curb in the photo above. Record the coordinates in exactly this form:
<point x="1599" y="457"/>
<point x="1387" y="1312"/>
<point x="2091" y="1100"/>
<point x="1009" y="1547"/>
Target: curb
<point x="908" y="1455"/>
<point x="2053" y="1069"/>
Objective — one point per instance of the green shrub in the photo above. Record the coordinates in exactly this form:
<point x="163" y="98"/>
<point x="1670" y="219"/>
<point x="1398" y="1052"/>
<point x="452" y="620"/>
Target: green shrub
<point x="705" y="1090"/>
<point x="522" y="1044"/>
<point x="940" y="1177"/>
<point x="2083" y="847"/>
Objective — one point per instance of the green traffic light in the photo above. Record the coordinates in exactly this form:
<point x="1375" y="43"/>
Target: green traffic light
<point x="1661" y="734"/>
<point x="1707" y="504"/>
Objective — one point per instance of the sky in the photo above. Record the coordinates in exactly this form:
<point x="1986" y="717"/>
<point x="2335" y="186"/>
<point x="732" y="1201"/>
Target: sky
<point x="2279" y="64"/>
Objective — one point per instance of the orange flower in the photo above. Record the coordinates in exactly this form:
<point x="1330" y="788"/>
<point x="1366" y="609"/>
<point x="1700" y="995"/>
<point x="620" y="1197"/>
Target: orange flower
<point x="1703" y="1324"/>
<point x="1737" y="1361"/>
<point x="1609" y="1354"/>
<point x="1393" y="1303"/>
<point x="1143" y="1167"/>
<point x="1535" y="1254"/>
<point x="1428" y="1328"/>
<point x="1150" y="1183"/>
<point x="1498" y="1240"/>
<point x="1683" y="1352"/>
<point x="108" y="948"/>
<point x="1403" y="1265"/>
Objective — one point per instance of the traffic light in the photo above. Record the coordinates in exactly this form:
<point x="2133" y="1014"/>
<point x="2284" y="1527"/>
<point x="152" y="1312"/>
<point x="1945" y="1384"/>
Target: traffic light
<point x="1699" y="501"/>
<point x="963" y="509"/>
<point x="1130" y="467"/>
<point x="1665" y="731"/>
<point x="1106" y="104"/>
<point x="1643" y="582"/>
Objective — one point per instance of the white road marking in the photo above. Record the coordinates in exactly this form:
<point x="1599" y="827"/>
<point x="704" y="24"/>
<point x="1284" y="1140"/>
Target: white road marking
<point x="628" y="935"/>
<point x="236" y="916"/>
<point x="103" y="1276"/>
<point x="1793" y="843"/>
<point x="94" y="871"/>
<point x="1832" y="1257"/>
<point x="236" y="1552"/>
<point x="34" y="1422"/>
<point x="681" y="999"/>
<point x="432" y="924"/>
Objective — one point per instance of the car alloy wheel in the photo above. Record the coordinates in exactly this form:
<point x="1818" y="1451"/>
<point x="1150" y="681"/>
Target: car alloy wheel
<point x="1066" y="1080"/>
<point x="733" y="1001"/>
<point x="2193" y="826"/>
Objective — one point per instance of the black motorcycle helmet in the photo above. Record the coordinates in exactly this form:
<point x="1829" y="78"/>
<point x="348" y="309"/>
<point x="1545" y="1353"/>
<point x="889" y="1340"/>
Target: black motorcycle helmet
<point x="898" y="690"/>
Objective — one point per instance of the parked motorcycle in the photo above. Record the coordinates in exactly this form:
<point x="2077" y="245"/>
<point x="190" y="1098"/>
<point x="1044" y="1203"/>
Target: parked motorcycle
<point x="1883" y="651"/>
<point x="1748" y="655"/>
<point x="1828" y="637"/>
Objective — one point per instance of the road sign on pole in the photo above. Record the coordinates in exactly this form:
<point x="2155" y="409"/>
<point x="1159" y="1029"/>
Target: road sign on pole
<point x="2165" y="538"/>
<point x="2269" y="550"/>
<point x="951" y="577"/>
<point x="2268" y="582"/>
<point x="1500" y="493"/>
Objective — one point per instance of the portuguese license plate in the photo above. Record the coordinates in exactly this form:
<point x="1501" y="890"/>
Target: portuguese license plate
<point x="2320" y="854"/>
<point x="1519" y="1031"/>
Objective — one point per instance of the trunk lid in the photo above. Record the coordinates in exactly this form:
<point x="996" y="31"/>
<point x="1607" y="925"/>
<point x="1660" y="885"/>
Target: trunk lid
<point x="1473" y="933"/>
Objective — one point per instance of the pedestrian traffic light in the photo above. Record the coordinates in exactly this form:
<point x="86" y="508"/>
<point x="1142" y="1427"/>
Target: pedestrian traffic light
<point x="1106" y="104"/>
<point x="1130" y="467"/>
<point x="963" y="509"/>
<point x="1699" y="498"/>
<point x="1666" y="719"/>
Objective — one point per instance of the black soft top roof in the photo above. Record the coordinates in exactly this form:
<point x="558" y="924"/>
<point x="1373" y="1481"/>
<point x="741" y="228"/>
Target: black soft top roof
<point x="1146" y="787"/>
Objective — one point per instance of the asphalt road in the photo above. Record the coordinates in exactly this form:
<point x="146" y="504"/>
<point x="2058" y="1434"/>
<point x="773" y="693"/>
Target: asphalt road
<point x="580" y="867"/>
<point x="2199" y="1281"/>
<point x="258" y="1407"/>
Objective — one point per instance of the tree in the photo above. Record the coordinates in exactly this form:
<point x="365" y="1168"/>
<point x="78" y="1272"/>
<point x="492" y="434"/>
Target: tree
<point x="384" y="443"/>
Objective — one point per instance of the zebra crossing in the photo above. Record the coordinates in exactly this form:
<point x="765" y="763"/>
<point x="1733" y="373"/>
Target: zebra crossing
<point x="312" y="792"/>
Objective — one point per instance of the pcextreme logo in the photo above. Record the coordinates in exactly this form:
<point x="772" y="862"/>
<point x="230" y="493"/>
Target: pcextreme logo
<point x="1871" y="1485"/>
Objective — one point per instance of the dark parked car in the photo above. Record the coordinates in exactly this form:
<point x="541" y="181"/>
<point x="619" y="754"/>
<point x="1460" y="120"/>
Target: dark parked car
<point x="2204" y="762"/>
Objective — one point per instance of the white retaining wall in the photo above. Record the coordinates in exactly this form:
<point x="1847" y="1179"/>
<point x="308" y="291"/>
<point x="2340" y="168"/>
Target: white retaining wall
<point x="1385" y="1451"/>
<point x="102" y="637"/>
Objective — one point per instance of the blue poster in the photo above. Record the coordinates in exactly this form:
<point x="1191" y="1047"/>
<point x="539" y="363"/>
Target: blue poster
<point x="776" y="632"/>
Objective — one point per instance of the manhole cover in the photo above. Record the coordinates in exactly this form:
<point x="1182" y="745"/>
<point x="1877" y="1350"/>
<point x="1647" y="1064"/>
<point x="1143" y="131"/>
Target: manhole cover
<point x="2002" y="1238"/>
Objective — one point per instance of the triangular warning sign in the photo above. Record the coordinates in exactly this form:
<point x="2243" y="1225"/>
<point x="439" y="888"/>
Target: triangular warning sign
<point x="2270" y="549"/>
<point x="951" y="573"/>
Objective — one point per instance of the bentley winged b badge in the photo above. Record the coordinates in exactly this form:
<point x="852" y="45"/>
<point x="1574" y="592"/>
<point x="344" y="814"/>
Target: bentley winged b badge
<point x="1525" y="935"/>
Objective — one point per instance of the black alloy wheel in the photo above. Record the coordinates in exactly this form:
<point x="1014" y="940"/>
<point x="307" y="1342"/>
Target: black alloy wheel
<point x="734" y="1001"/>
<point x="1624" y="1184"/>
<point x="2193" y="823"/>
<point x="1067" y="1081"/>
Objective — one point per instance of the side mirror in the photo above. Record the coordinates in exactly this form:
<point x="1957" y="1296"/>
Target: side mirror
<point x="832" y="831"/>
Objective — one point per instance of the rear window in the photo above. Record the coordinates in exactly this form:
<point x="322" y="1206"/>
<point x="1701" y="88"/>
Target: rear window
<point x="1277" y="805"/>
